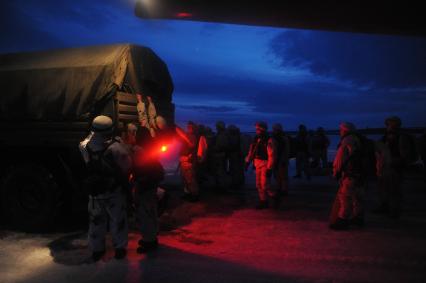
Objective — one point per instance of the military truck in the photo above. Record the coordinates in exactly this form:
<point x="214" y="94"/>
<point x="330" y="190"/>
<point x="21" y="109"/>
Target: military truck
<point x="48" y="100"/>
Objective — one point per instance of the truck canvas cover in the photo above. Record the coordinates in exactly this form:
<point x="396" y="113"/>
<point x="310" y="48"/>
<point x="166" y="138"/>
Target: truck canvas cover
<point x="64" y="85"/>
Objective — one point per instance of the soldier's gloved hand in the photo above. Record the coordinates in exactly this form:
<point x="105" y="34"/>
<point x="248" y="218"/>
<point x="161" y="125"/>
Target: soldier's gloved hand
<point x="269" y="173"/>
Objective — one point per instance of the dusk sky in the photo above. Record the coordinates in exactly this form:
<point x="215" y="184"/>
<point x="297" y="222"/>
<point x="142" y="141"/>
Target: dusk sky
<point x="241" y="74"/>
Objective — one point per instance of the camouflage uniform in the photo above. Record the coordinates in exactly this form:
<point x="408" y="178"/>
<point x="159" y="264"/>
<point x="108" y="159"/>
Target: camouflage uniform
<point x="187" y="162"/>
<point x="281" y="165"/>
<point x="396" y="152"/>
<point x="107" y="206"/>
<point x="320" y="144"/>
<point x="303" y="149"/>
<point x="148" y="173"/>
<point x="347" y="168"/>
<point x="235" y="157"/>
<point x="219" y="152"/>
<point x="263" y="153"/>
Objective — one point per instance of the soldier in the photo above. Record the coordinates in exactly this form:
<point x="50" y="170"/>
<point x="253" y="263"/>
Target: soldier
<point x="148" y="173"/>
<point x="202" y="150"/>
<point x="263" y="154"/>
<point x="220" y="148"/>
<point x="347" y="168"/>
<point x="129" y="135"/>
<point x="320" y="144"/>
<point x="399" y="148"/>
<point x="108" y="163"/>
<point x="303" y="148"/>
<point x="236" y="158"/>
<point x="281" y="166"/>
<point x="187" y="161"/>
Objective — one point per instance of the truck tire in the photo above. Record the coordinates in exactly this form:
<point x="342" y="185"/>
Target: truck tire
<point x="29" y="198"/>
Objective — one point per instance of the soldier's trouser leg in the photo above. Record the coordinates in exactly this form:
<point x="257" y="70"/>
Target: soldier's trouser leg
<point x="190" y="180"/>
<point x="147" y="206"/>
<point x="358" y="201"/>
<point x="306" y="166"/>
<point x="299" y="163"/>
<point x="395" y="193"/>
<point x="260" y="191"/>
<point x="347" y="197"/>
<point x="98" y="218"/>
<point x="383" y="184"/>
<point x="302" y="163"/>
<point x="236" y="169"/>
<point x="324" y="159"/>
<point x="281" y="178"/>
<point x="316" y="157"/>
<point x="220" y="171"/>
<point x="184" y="177"/>
<point x="117" y="212"/>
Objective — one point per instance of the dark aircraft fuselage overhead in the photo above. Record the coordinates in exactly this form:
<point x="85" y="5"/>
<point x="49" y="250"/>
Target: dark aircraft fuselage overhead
<point x="385" y="17"/>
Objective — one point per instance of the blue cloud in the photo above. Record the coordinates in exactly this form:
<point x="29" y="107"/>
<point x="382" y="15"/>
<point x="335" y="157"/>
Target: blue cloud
<point x="385" y="61"/>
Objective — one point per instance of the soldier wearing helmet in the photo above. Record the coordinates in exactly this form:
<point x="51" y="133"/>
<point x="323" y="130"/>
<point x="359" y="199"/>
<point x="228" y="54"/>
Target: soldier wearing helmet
<point x="108" y="164"/>
<point x="401" y="151"/>
<point x="347" y="169"/>
<point x="263" y="155"/>
<point x="281" y="166"/>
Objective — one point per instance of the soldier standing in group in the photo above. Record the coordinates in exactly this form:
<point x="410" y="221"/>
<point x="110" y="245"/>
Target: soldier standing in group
<point x="202" y="150"/>
<point x="147" y="173"/>
<point x="303" y="149"/>
<point x="281" y="166"/>
<point x="129" y="135"/>
<point x="108" y="163"/>
<point x="187" y="161"/>
<point x="320" y="144"/>
<point x="220" y="148"/>
<point x="263" y="154"/>
<point x="400" y="150"/>
<point x="235" y="157"/>
<point x="347" y="169"/>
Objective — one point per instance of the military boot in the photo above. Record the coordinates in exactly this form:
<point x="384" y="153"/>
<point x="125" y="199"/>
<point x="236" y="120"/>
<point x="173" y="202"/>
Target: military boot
<point x="340" y="224"/>
<point x="145" y="247"/>
<point x="96" y="256"/>
<point x="358" y="221"/>
<point x="120" y="253"/>
<point x="262" y="204"/>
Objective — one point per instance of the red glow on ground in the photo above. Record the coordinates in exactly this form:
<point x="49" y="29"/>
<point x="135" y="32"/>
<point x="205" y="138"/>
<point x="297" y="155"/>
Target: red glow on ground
<point x="183" y="15"/>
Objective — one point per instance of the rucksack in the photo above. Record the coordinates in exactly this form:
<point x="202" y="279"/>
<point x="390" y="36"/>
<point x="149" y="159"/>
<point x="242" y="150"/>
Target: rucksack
<point x="102" y="172"/>
<point x="281" y="145"/>
<point x="367" y="156"/>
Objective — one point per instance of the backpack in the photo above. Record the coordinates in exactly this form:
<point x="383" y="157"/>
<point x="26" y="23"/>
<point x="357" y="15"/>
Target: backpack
<point x="102" y="172"/>
<point x="367" y="156"/>
<point x="281" y="146"/>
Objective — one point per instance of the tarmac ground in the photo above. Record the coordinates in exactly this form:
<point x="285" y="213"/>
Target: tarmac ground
<point x="222" y="238"/>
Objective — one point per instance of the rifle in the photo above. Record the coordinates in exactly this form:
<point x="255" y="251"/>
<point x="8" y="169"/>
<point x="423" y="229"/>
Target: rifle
<point x="252" y="152"/>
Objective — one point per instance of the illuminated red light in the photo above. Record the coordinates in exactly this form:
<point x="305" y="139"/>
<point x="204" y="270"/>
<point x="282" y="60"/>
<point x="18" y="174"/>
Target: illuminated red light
<point x="183" y="15"/>
<point x="163" y="148"/>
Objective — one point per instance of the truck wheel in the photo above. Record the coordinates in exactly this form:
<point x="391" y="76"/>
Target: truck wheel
<point x="29" y="197"/>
